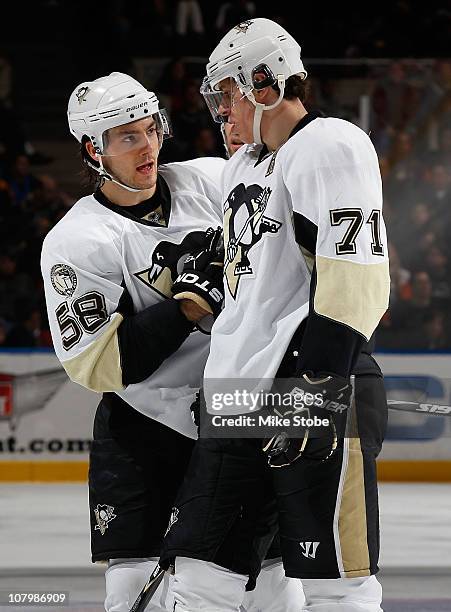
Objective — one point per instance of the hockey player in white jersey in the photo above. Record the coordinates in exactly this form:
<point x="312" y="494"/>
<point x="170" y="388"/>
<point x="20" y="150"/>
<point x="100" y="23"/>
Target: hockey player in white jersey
<point x="132" y="274"/>
<point x="306" y="283"/>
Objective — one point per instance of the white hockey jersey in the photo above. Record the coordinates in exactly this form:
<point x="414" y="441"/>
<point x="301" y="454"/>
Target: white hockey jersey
<point x="94" y="255"/>
<point x="326" y="177"/>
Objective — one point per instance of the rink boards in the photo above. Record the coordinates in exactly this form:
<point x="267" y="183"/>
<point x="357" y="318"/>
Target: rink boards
<point x="46" y="420"/>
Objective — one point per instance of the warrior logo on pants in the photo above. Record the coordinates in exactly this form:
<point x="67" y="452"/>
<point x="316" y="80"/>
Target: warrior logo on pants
<point x="244" y="225"/>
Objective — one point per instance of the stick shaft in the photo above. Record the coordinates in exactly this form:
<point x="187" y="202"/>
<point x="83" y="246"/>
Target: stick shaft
<point x="148" y="590"/>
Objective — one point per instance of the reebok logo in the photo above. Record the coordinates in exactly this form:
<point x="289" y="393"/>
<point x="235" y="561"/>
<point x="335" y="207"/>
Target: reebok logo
<point x="309" y="549"/>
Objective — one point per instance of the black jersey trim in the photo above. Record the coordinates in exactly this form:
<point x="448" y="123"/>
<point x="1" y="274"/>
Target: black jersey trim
<point x="305" y="232"/>
<point x="161" y="197"/>
<point x="262" y="155"/>
<point x="306" y="119"/>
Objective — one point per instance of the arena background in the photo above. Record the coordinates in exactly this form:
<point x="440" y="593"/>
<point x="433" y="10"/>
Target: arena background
<point x="386" y="68"/>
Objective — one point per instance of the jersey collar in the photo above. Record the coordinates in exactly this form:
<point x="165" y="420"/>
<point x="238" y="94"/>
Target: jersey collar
<point x="160" y="199"/>
<point x="306" y="119"/>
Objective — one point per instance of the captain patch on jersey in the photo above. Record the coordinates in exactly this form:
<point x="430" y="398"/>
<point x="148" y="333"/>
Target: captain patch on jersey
<point x="244" y="225"/>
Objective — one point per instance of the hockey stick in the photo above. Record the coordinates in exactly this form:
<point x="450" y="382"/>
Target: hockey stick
<point x="148" y="590"/>
<point x="156" y="577"/>
<point x="419" y="407"/>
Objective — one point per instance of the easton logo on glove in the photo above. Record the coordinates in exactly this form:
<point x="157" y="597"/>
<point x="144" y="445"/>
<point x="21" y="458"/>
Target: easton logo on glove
<point x="202" y="277"/>
<point x="201" y="283"/>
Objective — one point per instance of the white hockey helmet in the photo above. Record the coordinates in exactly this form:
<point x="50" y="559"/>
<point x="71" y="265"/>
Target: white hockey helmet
<point x="253" y="46"/>
<point x="97" y="106"/>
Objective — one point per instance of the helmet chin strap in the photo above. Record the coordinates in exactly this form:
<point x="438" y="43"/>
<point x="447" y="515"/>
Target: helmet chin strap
<point x="104" y="174"/>
<point x="224" y="140"/>
<point x="259" y="108"/>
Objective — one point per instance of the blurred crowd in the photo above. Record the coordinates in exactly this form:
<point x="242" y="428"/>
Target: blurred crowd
<point x="409" y="123"/>
<point x="411" y="129"/>
<point x="30" y="204"/>
<point x="400" y="28"/>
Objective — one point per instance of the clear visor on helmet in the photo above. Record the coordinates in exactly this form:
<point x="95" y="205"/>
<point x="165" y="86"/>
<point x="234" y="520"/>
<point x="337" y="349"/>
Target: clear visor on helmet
<point x="220" y="98"/>
<point x="137" y="135"/>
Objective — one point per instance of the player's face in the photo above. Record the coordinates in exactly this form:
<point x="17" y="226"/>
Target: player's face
<point x="131" y="153"/>
<point x="238" y="110"/>
<point x="232" y="140"/>
<point x="241" y="115"/>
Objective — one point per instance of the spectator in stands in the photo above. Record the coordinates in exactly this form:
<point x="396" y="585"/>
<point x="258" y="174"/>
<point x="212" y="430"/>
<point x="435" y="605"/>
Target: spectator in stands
<point x="3" y="332"/>
<point x="403" y="180"/>
<point x="392" y="97"/>
<point x="435" y="98"/>
<point x="412" y="227"/>
<point x="12" y="135"/>
<point x="437" y="266"/>
<point x="5" y="80"/>
<point x="21" y="181"/>
<point x="410" y="313"/>
<point x="26" y="332"/>
<point x="13" y="286"/>
<point x="231" y="13"/>
<point x="445" y="147"/>
<point x="438" y="193"/>
<point x="206" y="144"/>
<point x="188" y="17"/>
<point x="192" y="117"/>
<point x="404" y="326"/>
<point x="399" y="278"/>
<point x="50" y="198"/>
<point x="435" y="335"/>
<point x="172" y="84"/>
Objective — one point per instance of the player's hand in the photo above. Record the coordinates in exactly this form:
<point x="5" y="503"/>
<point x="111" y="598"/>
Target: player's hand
<point x="192" y="311"/>
<point x="201" y="279"/>
<point x="325" y="396"/>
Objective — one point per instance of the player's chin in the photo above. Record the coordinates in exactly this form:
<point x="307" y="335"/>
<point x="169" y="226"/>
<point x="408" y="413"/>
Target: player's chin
<point x="146" y="175"/>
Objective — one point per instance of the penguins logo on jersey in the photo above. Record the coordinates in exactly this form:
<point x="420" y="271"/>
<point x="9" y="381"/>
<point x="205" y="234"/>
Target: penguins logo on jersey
<point x="244" y="225"/>
<point x="104" y="514"/>
<point x="167" y="262"/>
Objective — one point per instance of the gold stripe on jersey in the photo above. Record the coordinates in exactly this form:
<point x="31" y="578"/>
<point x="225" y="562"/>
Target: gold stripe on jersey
<point x="308" y="257"/>
<point x="352" y="525"/>
<point x="98" y="367"/>
<point x="352" y="293"/>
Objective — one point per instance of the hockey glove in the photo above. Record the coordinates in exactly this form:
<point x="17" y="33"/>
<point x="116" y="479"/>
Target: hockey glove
<point x="324" y="397"/>
<point x="201" y="279"/>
